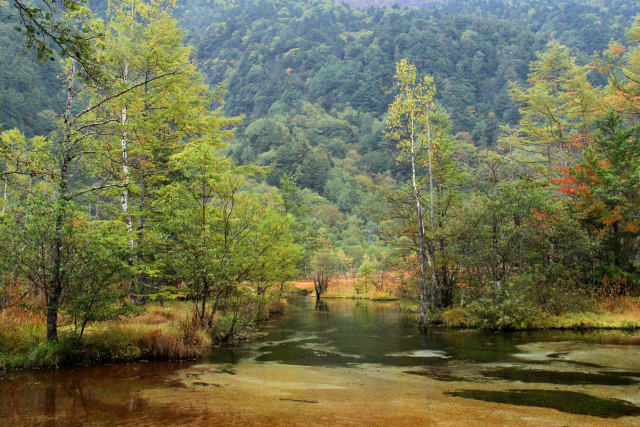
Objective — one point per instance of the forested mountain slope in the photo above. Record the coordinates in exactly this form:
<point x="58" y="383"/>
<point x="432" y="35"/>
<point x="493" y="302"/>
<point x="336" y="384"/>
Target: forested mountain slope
<point x="277" y="55"/>
<point x="586" y="24"/>
<point x="334" y="56"/>
<point x="28" y="88"/>
<point x="314" y="79"/>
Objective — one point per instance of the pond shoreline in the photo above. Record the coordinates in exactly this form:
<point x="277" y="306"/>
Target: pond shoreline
<point x="455" y="318"/>
<point x="160" y="333"/>
<point x="350" y="362"/>
<point x="168" y="343"/>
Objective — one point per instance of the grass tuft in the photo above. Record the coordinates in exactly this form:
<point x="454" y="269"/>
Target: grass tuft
<point x="162" y="333"/>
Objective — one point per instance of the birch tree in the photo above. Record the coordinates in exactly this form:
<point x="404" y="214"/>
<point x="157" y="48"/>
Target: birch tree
<point x="58" y="168"/>
<point x="45" y="237"/>
<point x="167" y="104"/>
<point x="408" y="124"/>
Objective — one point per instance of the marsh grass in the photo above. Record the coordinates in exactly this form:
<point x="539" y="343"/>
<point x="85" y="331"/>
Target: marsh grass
<point x="169" y="331"/>
<point x="277" y="307"/>
<point x="21" y="332"/>
<point x="159" y="332"/>
<point x="619" y="313"/>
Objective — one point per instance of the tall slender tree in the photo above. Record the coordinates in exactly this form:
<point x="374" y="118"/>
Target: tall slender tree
<point x="408" y="124"/>
<point x="166" y="105"/>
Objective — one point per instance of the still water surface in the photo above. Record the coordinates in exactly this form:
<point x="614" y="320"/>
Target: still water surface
<point x="351" y="362"/>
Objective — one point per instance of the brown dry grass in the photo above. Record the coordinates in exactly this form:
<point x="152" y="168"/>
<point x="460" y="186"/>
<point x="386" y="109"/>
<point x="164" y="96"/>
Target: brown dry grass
<point x="345" y="286"/>
<point x="19" y="328"/>
<point x="277" y="307"/>
<point x="155" y="315"/>
<point x="17" y="317"/>
<point x="628" y="305"/>
<point x="160" y="332"/>
<point x="168" y="332"/>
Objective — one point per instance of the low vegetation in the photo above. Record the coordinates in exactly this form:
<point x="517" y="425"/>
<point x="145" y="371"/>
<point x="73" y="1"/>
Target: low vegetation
<point x="169" y="331"/>
<point x="621" y="313"/>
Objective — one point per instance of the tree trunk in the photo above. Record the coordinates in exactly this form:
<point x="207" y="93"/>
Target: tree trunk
<point x="430" y="155"/>
<point x="203" y="307"/>
<point x="124" y="197"/>
<point x="446" y="292"/>
<point x="53" y="296"/>
<point x="424" y="256"/>
<point x="54" y="289"/>
<point x="320" y="284"/>
<point x="214" y="308"/>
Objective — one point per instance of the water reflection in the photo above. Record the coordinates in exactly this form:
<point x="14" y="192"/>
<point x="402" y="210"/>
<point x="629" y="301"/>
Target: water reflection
<point x="106" y="393"/>
<point x="345" y="332"/>
<point x="321" y="306"/>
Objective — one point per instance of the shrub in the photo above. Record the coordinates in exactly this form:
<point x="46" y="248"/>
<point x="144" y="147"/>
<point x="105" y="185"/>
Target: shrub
<point x="503" y="309"/>
<point x="277" y="306"/>
<point x="454" y="317"/>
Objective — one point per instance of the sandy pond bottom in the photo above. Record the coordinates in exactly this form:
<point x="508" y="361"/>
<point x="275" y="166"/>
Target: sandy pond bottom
<point x="350" y="365"/>
<point x="276" y="394"/>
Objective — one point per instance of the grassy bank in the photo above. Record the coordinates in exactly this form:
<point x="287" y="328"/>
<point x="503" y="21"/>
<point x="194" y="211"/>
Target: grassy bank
<point x="620" y="313"/>
<point x="167" y="332"/>
<point x="158" y="333"/>
<point x="610" y="313"/>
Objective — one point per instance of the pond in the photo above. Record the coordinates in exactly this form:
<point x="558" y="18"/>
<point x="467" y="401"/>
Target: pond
<point x="351" y="362"/>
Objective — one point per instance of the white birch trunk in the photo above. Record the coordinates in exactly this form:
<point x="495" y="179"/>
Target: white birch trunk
<point x="124" y="197"/>
<point x="424" y="255"/>
<point x="430" y="153"/>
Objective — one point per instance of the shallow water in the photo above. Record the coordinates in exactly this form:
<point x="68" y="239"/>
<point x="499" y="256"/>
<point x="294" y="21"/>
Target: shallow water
<point x="351" y="362"/>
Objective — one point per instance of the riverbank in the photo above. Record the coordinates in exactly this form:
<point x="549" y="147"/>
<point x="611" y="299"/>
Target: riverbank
<point x="166" y="332"/>
<point x="156" y="333"/>
<point x="621" y="313"/>
<point x="350" y="362"/>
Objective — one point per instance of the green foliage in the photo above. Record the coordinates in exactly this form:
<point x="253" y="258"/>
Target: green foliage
<point x="214" y="234"/>
<point x="144" y="131"/>
<point x="603" y="189"/>
<point x="53" y="25"/>
<point x="505" y="308"/>
<point x="99" y="292"/>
